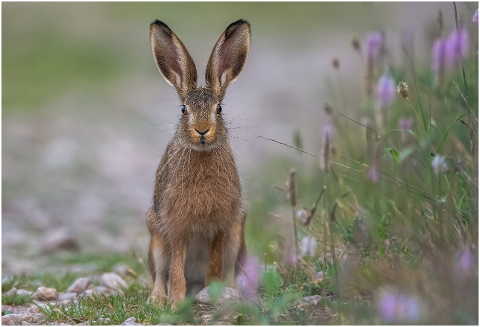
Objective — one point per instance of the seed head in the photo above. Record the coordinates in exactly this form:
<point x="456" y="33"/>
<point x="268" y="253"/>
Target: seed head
<point x="328" y="108"/>
<point x="440" y="20"/>
<point x="336" y="63"/>
<point x="302" y="215"/>
<point x="326" y="133"/>
<point x="356" y="44"/>
<point x="291" y="188"/>
<point x="402" y="89"/>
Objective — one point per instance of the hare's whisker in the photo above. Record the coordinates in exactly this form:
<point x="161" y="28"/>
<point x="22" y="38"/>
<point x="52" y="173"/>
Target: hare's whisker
<point x="245" y="159"/>
<point x="238" y="116"/>
<point x="250" y="141"/>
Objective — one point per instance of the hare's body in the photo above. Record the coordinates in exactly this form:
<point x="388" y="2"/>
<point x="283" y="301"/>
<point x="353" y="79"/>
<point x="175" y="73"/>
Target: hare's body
<point x="196" y="223"/>
<point x="196" y="203"/>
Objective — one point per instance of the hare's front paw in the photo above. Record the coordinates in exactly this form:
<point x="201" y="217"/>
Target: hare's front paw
<point x="175" y="299"/>
<point x="157" y="298"/>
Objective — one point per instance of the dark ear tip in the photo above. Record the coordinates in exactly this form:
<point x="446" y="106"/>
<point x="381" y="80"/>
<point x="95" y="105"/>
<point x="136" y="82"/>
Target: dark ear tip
<point x="238" y="23"/>
<point x="242" y="21"/>
<point x="233" y="26"/>
<point x="159" y="24"/>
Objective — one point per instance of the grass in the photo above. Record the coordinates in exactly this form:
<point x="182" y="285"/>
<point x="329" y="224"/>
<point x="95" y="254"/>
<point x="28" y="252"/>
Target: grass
<point x="16" y="299"/>
<point x="112" y="310"/>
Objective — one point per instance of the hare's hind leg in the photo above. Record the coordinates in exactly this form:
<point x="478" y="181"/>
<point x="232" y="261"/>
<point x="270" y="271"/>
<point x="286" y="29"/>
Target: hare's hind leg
<point x="158" y="262"/>
<point x="214" y="268"/>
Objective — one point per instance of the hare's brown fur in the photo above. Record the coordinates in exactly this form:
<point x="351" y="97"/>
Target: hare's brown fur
<point x="197" y="220"/>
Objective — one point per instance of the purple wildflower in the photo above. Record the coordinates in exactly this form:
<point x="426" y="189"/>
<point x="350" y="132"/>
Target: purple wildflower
<point x="465" y="260"/>
<point x="438" y="56"/>
<point x="290" y="258"/>
<point x="374" y="173"/>
<point x="309" y="245"/>
<point x="327" y="131"/>
<point x="456" y="47"/>
<point x="475" y="17"/>
<point x="387" y="304"/>
<point x="385" y="91"/>
<point x="373" y="46"/>
<point x="405" y="124"/>
<point x="395" y="307"/>
<point x="250" y="277"/>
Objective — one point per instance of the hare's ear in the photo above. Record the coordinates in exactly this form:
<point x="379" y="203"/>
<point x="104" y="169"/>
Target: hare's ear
<point x="228" y="57"/>
<point x="173" y="59"/>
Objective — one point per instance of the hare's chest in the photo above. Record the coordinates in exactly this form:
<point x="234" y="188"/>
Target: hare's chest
<point x="204" y="193"/>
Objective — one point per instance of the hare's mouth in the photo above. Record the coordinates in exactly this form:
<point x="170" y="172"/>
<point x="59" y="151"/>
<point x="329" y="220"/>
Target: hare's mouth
<point x="203" y="144"/>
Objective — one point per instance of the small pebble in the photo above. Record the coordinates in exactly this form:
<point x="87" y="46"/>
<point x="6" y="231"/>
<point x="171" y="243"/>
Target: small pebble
<point x="228" y="293"/>
<point x="24" y="292"/>
<point x="67" y="296"/>
<point x="80" y="285"/>
<point x="112" y="281"/>
<point x="18" y="319"/>
<point x="46" y="293"/>
<point x="131" y="322"/>
<point x="33" y="309"/>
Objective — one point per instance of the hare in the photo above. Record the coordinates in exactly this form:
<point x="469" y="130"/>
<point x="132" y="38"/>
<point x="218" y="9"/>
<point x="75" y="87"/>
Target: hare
<point x="197" y="220"/>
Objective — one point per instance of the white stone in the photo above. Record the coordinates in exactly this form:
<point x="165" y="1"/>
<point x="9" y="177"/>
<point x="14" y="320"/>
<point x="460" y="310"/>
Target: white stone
<point x="11" y="292"/>
<point x="80" y="285"/>
<point x="46" y="293"/>
<point x="131" y="322"/>
<point x="67" y="296"/>
<point x="228" y="293"/>
<point x="311" y="300"/>
<point x="24" y="292"/>
<point x="33" y="309"/>
<point x="112" y="281"/>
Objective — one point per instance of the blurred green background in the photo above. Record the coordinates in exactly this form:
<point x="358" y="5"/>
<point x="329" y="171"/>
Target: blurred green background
<point x="86" y="114"/>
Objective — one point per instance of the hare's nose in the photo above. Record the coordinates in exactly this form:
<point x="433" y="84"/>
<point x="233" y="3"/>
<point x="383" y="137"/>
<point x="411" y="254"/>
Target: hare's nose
<point x="202" y="132"/>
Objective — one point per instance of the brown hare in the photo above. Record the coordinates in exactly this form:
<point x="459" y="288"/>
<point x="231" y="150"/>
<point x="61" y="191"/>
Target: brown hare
<point x="197" y="220"/>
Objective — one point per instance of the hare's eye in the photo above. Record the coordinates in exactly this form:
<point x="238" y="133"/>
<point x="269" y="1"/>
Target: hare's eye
<point x="219" y="109"/>
<point x="184" y="110"/>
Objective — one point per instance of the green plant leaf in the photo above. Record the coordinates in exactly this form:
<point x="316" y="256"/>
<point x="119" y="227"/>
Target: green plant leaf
<point x="447" y="131"/>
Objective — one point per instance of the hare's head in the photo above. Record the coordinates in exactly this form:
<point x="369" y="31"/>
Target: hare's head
<point x="201" y="125"/>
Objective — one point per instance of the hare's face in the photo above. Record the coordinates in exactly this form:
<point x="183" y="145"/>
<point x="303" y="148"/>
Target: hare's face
<point x="201" y="125"/>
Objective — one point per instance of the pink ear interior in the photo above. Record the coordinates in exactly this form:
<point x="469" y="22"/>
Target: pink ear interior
<point x="166" y="54"/>
<point x="172" y="58"/>
<point x="225" y="57"/>
<point x="228" y="57"/>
